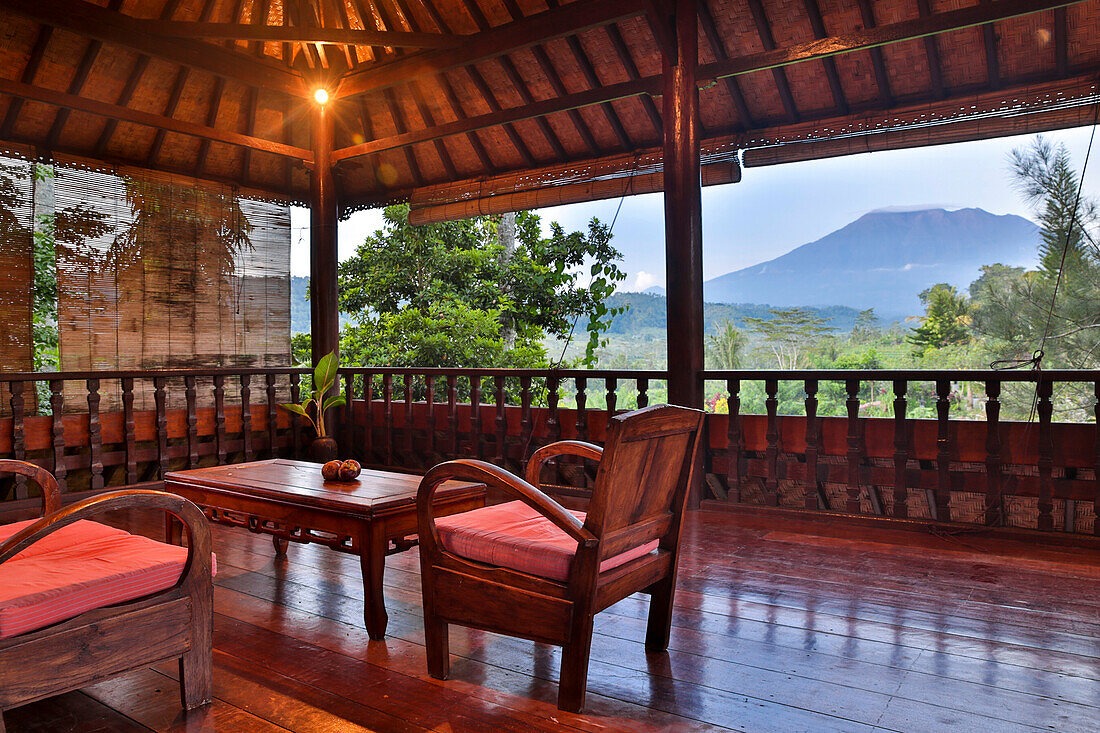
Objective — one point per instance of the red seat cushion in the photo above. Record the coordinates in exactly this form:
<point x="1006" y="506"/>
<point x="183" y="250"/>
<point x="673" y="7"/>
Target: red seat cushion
<point x="515" y="536"/>
<point x="80" y="567"/>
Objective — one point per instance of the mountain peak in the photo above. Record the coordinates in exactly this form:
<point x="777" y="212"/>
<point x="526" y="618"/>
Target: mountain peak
<point x="884" y="259"/>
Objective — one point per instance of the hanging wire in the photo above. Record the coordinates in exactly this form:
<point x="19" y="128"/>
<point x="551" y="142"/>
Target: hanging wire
<point x="610" y="230"/>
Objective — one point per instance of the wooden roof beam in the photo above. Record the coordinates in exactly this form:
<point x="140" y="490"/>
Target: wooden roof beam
<point x="1061" y="50"/>
<point x="633" y="74"/>
<point x="718" y="48"/>
<point x="932" y="54"/>
<point x="125" y="114"/>
<point x="565" y="21"/>
<point x="878" y="62"/>
<point x="764" y="30"/>
<point x="399" y="123"/>
<point x="29" y="72"/>
<point x="93" y="21"/>
<point x="797" y="53"/>
<point x="813" y="10"/>
<point x="992" y="63"/>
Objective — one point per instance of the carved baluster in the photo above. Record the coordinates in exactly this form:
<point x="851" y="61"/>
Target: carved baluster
<point x="192" y="422"/>
<point x="246" y="416"/>
<point x="734" y="470"/>
<point x="994" y="500"/>
<point x="348" y="435"/>
<point x="1045" y="409"/>
<point x="643" y="392"/>
<point x="943" y="451"/>
<point x="408" y="397"/>
<point x="429" y="408"/>
<point x="452" y="413"/>
<point x="57" y="406"/>
<point x="526" y="424"/>
<point x="129" y="430"/>
<point x="501" y="420"/>
<point x="582" y="413"/>
<point x="611" y="386"/>
<point x="855" y="452"/>
<point x="812" y="496"/>
<point x="901" y="450"/>
<point x="219" y="418"/>
<point x="162" y="424"/>
<point x="553" y="423"/>
<point x="272" y="417"/>
<point x="18" y="438"/>
<point x="771" y="454"/>
<point x="387" y="415"/>
<point x="1096" y="460"/>
<point x="368" y="423"/>
<point x="95" y="436"/>
<point x="475" y="415"/>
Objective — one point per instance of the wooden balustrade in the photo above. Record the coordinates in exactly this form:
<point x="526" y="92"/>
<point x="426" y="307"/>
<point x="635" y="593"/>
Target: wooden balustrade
<point x="926" y="454"/>
<point x="105" y="441"/>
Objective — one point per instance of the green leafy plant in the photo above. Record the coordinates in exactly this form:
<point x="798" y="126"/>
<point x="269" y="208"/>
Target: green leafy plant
<point x="324" y="377"/>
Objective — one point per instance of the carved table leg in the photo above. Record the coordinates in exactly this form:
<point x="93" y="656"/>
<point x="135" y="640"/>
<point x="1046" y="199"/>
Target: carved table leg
<point x="280" y="546"/>
<point x="373" y="560"/>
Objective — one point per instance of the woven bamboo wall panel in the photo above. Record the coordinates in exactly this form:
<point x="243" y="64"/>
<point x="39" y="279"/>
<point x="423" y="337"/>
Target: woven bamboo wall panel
<point x="16" y="264"/>
<point x="157" y="274"/>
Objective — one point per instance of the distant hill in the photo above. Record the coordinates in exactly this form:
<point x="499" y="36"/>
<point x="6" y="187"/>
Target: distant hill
<point x="299" y="306"/>
<point x="648" y="312"/>
<point x="883" y="260"/>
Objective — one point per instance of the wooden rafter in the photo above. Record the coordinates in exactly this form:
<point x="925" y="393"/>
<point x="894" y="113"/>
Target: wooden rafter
<point x="105" y="25"/>
<point x="632" y="73"/>
<point x="817" y="23"/>
<point x="932" y="54"/>
<point x="399" y="122"/>
<point x="294" y="34"/>
<point x="169" y="111"/>
<point x="797" y="53"/>
<point x="29" y="72"/>
<point x="565" y="21"/>
<point x="1061" y="46"/>
<point x="429" y="121"/>
<point x="138" y="117"/>
<point x="718" y="48"/>
<point x="470" y="124"/>
<point x="589" y="71"/>
<point x="764" y="30"/>
<point x="992" y="63"/>
<point x="878" y="62"/>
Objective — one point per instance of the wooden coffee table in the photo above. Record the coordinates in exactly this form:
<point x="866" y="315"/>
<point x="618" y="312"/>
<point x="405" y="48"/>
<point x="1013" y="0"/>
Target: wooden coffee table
<point x="371" y="516"/>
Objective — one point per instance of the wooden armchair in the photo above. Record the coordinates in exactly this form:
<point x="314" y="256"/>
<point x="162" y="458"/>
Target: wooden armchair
<point x="155" y="604"/>
<point x="533" y="569"/>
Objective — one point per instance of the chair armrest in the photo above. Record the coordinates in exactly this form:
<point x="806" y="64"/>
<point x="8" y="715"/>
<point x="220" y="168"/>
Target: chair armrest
<point x="198" y="546"/>
<point x="474" y="470"/>
<point x="562" y="447"/>
<point x="51" y="494"/>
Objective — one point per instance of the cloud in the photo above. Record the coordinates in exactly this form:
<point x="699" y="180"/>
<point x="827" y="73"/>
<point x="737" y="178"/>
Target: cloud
<point x="642" y="281"/>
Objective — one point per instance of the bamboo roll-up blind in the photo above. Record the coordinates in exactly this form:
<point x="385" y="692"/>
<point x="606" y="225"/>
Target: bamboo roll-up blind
<point x="16" y="270"/>
<point x="155" y="274"/>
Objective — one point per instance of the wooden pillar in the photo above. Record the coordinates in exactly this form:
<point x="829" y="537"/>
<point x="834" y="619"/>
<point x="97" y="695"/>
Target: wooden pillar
<point x="324" y="315"/>
<point x="683" y="204"/>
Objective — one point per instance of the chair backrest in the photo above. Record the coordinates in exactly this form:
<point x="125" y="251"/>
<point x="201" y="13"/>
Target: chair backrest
<point x="51" y="493"/>
<point x="644" y="476"/>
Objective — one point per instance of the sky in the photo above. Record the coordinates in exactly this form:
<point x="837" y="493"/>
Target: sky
<point x="774" y="209"/>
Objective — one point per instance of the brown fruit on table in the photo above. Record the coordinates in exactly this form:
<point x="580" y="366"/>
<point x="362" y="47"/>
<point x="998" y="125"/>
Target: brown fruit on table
<point x="349" y="470"/>
<point x="331" y="471"/>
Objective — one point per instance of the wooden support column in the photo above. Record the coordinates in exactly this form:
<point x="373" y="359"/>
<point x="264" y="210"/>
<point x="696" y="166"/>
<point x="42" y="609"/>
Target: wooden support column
<point x="683" y="203"/>
<point x="325" y="320"/>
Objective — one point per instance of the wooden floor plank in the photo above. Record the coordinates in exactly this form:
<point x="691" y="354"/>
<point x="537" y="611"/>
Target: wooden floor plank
<point x="778" y="625"/>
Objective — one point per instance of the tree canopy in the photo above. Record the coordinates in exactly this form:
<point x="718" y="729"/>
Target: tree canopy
<point x="441" y="294"/>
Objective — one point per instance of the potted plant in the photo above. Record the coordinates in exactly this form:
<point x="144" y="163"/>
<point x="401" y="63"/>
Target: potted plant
<point x="324" y="377"/>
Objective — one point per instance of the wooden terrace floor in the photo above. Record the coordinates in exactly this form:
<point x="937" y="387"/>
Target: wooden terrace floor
<point x="780" y="626"/>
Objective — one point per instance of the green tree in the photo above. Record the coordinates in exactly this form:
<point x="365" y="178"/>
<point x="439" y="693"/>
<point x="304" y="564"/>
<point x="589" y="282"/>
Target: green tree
<point x="789" y="333"/>
<point x="726" y="349"/>
<point x="444" y="294"/>
<point x="1060" y="299"/>
<point x="865" y="327"/>
<point x="945" y="322"/>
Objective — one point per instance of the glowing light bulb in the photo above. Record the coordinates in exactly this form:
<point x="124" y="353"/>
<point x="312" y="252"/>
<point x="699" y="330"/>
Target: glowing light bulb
<point x="321" y="96"/>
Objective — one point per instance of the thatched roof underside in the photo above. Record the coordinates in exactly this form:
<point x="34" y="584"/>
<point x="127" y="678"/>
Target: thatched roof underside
<point x="488" y="105"/>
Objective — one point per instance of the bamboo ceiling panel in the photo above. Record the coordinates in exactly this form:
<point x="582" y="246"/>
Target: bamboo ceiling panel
<point x="485" y="82"/>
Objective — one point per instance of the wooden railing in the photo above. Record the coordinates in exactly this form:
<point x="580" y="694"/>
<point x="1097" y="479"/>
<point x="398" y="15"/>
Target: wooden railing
<point x="936" y="447"/>
<point x="105" y="429"/>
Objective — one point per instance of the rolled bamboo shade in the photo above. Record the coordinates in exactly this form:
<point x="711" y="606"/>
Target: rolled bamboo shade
<point x="155" y="274"/>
